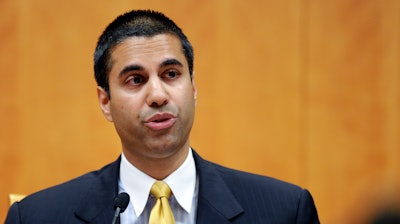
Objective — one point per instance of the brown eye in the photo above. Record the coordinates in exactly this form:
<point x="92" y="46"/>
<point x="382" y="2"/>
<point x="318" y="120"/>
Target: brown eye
<point x="172" y="74"/>
<point x="136" y="79"/>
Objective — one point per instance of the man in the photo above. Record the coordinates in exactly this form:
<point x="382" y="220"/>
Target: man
<point x="144" y="71"/>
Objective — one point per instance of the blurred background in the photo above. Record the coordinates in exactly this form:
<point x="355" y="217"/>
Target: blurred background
<point x="307" y="91"/>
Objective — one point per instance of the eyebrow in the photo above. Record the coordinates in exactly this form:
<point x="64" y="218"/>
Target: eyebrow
<point x="130" y="68"/>
<point x="171" y="62"/>
<point x="136" y="67"/>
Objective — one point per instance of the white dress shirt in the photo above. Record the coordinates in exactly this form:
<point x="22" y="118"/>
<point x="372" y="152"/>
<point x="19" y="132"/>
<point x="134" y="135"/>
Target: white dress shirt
<point x="183" y="184"/>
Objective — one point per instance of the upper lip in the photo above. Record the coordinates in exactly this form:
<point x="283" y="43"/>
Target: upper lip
<point x="160" y="117"/>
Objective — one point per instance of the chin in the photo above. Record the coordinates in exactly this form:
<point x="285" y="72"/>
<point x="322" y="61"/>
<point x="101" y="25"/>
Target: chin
<point x="166" y="149"/>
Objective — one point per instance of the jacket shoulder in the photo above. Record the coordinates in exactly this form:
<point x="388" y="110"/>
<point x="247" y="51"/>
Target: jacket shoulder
<point x="74" y="187"/>
<point x="276" y="201"/>
<point x="243" y="179"/>
<point x="64" y="199"/>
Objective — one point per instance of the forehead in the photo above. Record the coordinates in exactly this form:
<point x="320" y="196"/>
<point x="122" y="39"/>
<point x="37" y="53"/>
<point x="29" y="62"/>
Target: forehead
<point x="147" y="50"/>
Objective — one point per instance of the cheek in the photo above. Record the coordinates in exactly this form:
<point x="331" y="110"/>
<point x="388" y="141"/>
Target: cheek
<point x="122" y="109"/>
<point x="189" y="101"/>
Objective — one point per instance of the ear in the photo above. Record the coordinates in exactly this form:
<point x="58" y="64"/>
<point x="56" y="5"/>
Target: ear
<point x="104" y="102"/>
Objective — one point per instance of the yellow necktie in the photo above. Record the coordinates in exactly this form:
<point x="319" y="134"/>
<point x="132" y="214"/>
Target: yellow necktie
<point x="161" y="212"/>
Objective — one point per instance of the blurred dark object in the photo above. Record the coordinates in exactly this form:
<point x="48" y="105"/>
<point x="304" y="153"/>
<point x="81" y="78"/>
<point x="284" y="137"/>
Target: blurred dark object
<point x="387" y="217"/>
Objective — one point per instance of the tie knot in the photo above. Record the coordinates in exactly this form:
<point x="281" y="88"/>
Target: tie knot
<point x="160" y="189"/>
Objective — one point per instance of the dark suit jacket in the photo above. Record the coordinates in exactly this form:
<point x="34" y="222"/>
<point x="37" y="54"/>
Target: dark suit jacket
<point x="225" y="196"/>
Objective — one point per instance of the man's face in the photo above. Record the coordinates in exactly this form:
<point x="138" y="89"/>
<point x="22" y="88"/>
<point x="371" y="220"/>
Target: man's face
<point x="152" y="97"/>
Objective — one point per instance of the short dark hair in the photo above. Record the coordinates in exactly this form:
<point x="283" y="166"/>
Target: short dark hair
<point x="135" y="23"/>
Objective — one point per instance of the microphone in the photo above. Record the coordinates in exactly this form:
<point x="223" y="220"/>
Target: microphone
<point x="120" y="204"/>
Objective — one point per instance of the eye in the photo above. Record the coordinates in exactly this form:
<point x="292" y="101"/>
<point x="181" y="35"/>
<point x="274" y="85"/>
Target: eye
<point x="171" y="74"/>
<point x="135" y="79"/>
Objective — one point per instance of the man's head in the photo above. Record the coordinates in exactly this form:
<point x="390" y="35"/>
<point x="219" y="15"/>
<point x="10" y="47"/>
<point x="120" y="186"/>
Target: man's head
<point x="143" y="65"/>
<point x="137" y="23"/>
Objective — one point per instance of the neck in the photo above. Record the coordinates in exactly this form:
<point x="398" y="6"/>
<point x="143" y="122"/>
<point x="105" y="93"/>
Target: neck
<point x="161" y="166"/>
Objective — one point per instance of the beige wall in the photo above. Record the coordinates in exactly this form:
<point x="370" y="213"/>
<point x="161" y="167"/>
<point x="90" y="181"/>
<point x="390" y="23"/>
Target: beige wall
<point x="303" y="90"/>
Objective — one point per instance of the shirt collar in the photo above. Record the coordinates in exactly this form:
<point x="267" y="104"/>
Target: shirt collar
<point x="183" y="182"/>
<point x="137" y="184"/>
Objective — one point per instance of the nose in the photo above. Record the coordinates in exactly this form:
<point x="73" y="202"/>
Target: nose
<point x="157" y="95"/>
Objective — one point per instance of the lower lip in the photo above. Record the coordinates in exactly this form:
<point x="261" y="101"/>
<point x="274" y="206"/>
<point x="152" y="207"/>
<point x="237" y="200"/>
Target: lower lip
<point x="156" y="126"/>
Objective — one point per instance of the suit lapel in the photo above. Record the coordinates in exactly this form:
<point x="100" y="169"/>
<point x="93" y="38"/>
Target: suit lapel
<point x="98" y="204"/>
<point x="216" y="203"/>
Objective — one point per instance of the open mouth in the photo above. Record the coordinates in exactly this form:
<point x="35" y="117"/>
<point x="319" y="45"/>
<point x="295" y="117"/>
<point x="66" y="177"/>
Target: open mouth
<point x="160" y="121"/>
